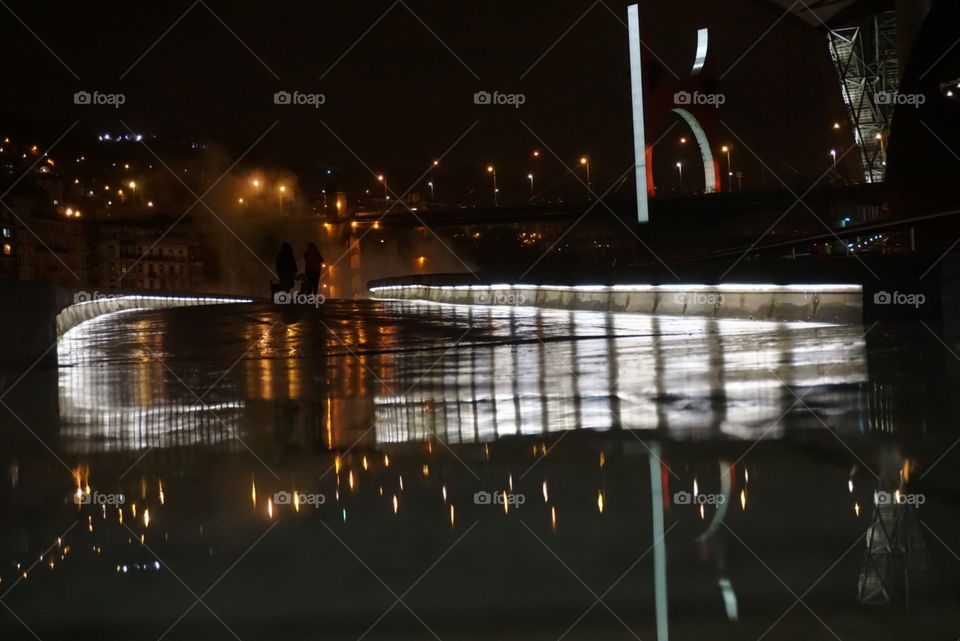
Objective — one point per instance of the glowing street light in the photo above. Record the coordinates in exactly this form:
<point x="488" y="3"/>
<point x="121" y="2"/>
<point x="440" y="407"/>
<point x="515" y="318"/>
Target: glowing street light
<point x="536" y="153"/>
<point x="256" y="185"/>
<point x="281" y="190"/>
<point x="430" y="185"/>
<point x="726" y="149"/>
<point x="530" y="178"/>
<point x="879" y="138"/>
<point x="585" y="162"/>
<point x="493" y="172"/>
<point x="833" y="152"/>
<point x="680" y="169"/>
<point x="386" y="192"/>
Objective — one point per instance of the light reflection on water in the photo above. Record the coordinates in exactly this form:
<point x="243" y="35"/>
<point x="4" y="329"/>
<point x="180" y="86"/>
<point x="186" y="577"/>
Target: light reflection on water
<point x="492" y="373"/>
<point x="400" y="415"/>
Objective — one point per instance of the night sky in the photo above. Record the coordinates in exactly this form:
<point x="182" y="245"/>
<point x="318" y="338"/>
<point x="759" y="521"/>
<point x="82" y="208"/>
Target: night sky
<point x="400" y="97"/>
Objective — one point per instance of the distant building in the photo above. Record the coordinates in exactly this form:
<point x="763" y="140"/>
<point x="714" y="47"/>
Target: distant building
<point x="140" y="254"/>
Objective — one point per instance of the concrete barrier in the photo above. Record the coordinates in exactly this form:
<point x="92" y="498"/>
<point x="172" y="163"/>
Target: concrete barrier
<point x="36" y="314"/>
<point x="85" y="310"/>
<point x="828" y="303"/>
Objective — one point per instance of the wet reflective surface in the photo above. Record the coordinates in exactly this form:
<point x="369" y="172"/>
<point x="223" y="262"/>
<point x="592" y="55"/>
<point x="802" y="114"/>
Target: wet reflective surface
<point x="403" y="470"/>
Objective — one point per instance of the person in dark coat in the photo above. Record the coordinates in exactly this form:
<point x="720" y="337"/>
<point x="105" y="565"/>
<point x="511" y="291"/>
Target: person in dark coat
<point x="312" y="266"/>
<point x="286" y="267"/>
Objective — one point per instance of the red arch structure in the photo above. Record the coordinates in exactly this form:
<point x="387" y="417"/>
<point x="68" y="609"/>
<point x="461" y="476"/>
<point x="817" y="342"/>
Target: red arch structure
<point x="666" y="100"/>
<point x="668" y="97"/>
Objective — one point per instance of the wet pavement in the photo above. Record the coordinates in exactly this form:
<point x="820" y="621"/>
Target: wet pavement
<point x="403" y="470"/>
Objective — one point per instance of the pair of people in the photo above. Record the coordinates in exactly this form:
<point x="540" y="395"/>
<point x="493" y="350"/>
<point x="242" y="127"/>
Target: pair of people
<point x="287" y="268"/>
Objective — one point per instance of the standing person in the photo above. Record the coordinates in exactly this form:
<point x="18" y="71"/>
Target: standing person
<point x="312" y="266"/>
<point x="286" y="267"/>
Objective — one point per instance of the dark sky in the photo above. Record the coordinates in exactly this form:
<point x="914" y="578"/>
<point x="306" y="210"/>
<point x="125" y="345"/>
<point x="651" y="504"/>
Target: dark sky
<point x="399" y="98"/>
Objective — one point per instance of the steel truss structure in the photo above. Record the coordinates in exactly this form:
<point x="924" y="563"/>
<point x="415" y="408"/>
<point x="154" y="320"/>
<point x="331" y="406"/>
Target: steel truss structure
<point x="865" y="57"/>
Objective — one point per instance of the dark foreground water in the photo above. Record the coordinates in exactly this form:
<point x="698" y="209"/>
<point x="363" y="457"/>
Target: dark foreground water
<point x="406" y="471"/>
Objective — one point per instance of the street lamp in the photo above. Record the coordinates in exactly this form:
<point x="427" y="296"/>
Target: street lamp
<point x="585" y="162"/>
<point x="430" y="185"/>
<point x="530" y="178"/>
<point x="281" y="190"/>
<point x="680" y="169"/>
<point x="726" y="149"/>
<point x="833" y="152"/>
<point x="386" y="192"/>
<point x="256" y="185"/>
<point x="493" y="172"/>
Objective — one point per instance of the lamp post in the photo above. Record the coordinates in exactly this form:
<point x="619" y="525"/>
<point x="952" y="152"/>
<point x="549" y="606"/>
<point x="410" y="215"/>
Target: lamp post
<point x="386" y="192"/>
<point x="493" y="172"/>
<point x="585" y="162"/>
<point x="680" y="169"/>
<point x="281" y="190"/>
<point x="726" y="149"/>
<point x="530" y="178"/>
<point x="430" y="185"/>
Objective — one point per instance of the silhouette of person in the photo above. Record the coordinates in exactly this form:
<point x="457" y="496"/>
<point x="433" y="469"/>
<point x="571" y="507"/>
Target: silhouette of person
<point x="286" y="267"/>
<point x="312" y="266"/>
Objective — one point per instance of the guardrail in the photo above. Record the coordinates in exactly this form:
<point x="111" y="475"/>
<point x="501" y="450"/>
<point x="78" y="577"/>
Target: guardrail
<point x="829" y="303"/>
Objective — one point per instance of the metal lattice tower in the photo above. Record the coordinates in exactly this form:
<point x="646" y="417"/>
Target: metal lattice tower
<point x="865" y="57"/>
